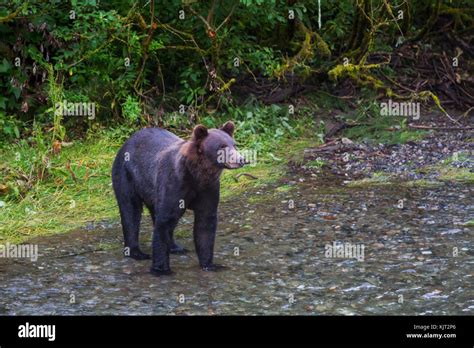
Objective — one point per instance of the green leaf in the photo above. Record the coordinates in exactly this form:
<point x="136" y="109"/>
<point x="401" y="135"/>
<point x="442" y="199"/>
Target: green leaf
<point x="5" y="66"/>
<point x="2" y="102"/>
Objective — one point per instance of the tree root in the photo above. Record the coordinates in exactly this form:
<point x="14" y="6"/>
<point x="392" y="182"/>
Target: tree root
<point x="236" y="178"/>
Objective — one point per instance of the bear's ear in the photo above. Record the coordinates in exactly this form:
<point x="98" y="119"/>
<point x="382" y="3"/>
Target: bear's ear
<point x="199" y="132"/>
<point x="228" y="127"/>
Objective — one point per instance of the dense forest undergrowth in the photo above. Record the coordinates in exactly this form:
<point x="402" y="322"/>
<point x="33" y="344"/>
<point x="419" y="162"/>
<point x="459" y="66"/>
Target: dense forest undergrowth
<point x="78" y="77"/>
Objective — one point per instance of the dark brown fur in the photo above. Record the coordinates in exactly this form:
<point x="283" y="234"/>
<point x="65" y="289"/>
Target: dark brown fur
<point x="163" y="170"/>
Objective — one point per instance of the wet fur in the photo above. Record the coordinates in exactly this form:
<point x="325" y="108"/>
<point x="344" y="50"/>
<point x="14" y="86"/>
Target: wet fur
<point x="162" y="169"/>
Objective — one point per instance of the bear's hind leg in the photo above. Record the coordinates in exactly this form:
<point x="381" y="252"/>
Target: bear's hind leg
<point x="175" y="248"/>
<point x="161" y="244"/>
<point x="131" y="212"/>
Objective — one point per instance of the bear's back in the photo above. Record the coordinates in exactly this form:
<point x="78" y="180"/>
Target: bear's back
<point x="143" y="155"/>
<point x="152" y="139"/>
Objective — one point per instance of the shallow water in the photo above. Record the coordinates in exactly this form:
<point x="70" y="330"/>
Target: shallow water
<point x="409" y="263"/>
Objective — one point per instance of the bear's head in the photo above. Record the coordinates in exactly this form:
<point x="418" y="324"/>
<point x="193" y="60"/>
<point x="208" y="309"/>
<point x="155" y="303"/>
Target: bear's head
<point x="217" y="146"/>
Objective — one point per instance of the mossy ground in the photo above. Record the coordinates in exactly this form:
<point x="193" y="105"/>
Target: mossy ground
<point x="377" y="179"/>
<point x="444" y="174"/>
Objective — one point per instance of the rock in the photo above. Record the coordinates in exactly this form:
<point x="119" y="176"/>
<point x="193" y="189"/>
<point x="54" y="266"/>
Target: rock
<point x="346" y="141"/>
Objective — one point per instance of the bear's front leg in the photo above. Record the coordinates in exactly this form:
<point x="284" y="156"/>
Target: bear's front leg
<point x="205" y="225"/>
<point x="161" y="246"/>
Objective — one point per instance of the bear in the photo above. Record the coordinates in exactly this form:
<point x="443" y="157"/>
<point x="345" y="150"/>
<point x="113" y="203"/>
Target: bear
<point x="168" y="175"/>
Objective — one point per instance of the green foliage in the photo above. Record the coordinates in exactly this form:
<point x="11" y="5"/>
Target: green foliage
<point x="317" y="163"/>
<point x="9" y="126"/>
<point x="192" y="86"/>
<point x="130" y="57"/>
<point x="260" y="127"/>
<point x="371" y="125"/>
<point x="131" y="109"/>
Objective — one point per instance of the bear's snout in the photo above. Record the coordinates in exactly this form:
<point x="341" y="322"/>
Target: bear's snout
<point x="230" y="158"/>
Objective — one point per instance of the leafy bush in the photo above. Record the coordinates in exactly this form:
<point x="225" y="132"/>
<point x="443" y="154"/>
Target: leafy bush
<point x="169" y="53"/>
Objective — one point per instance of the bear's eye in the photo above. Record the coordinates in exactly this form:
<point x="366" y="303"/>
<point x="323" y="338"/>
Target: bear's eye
<point x="223" y="146"/>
